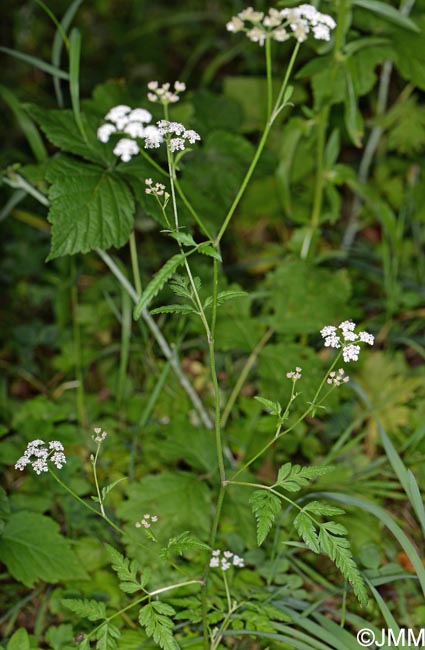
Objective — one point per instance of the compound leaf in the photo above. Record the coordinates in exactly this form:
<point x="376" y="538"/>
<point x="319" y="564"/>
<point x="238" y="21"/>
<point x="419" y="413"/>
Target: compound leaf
<point x="265" y="507"/>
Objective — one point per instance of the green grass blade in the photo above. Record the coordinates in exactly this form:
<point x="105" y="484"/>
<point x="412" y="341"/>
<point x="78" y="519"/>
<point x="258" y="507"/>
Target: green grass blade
<point x="295" y="644"/>
<point x="26" y="124"/>
<point x="388" y="617"/>
<point x="383" y="516"/>
<point x="335" y="638"/>
<point x="36" y="62"/>
<point x="126" y="321"/>
<point x="52" y="16"/>
<point x="74" y="76"/>
<point x="385" y="10"/>
<point x="58" y="43"/>
<point x="13" y="201"/>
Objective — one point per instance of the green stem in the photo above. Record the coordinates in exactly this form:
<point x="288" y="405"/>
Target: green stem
<point x="276" y="110"/>
<point x="80" y="401"/>
<point x="96" y="482"/>
<point x="135" y="264"/>
<point x="269" y="74"/>
<point x="226" y="587"/>
<point x="86" y="505"/>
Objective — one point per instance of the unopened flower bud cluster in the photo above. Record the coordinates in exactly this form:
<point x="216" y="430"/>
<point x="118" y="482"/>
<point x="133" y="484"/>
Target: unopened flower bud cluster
<point x="337" y="378"/>
<point x="146" y="521"/>
<point x="100" y="435"/>
<point x="294" y="374"/>
<point x="226" y="560"/>
<point x="164" y="94"/>
<point x="344" y="336"/>
<point x="280" y="25"/>
<point x="37" y="454"/>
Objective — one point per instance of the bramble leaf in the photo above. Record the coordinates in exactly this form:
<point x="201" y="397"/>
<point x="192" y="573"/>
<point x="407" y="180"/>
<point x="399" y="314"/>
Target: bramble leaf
<point x="155" y="285"/>
<point x="32" y="549"/>
<point x="265" y="507"/>
<point x="90" y="207"/>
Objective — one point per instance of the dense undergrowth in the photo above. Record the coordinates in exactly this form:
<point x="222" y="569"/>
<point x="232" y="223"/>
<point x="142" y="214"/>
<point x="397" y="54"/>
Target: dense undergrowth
<point x="243" y="496"/>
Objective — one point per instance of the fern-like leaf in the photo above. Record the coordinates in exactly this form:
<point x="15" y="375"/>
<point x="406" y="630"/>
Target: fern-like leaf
<point x="126" y="571"/>
<point x="107" y="636"/>
<point x="293" y="478"/>
<point x="307" y="531"/>
<point x="155" y="618"/>
<point x="210" y="251"/>
<point x="174" y="309"/>
<point x="183" y="542"/>
<point x="91" y="609"/>
<point x="224" y="296"/>
<point x="157" y="282"/>
<point x="338" y="549"/>
<point x="265" y="507"/>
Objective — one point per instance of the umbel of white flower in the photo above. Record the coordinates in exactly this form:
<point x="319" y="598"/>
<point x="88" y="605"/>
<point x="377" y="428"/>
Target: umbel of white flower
<point x="37" y="454"/>
<point x="134" y="124"/>
<point x="346" y="338"/>
<point x="226" y="560"/>
<point x="280" y="25"/>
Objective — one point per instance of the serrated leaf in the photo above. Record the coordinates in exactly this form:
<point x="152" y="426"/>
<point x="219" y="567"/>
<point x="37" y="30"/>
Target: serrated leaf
<point x="173" y="309"/>
<point x="107" y="636"/>
<point x="60" y="128"/>
<point x="223" y="296"/>
<point x="338" y="550"/>
<point x="274" y="407"/>
<point x="157" y="282"/>
<point x="110" y="486"/>
<point x="90" y="208"/>
<point x="294" y="477"/>
<point x="265" y="507"/>
<point x="19" y="640"/>
<point x="307" y="531"/>
<point x="126" y="571"/>
<point x="32" y="549"/>
<point x="323" y="509"/>
<point x="334" y="528"/>
<point x="184" y="238"/>
<point x="94" y="610"/>
<point x="183" y="542"/>
<point x="154" y="618"/>
<point x="210" y="251"/>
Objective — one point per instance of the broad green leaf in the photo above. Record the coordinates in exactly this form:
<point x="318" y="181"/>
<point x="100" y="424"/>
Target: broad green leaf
<point x="62" y="130"/>
<point x="183" y="542"/>
<point x="19" y="640"/>
<point x="303" y="297"/>
<point x="155" y="285"/>
<point x="293" y="478"/>
<point x="90" y="208"/>
<point x="32" y="549"/>
<point x="94" y="610"/>
<point x="154" y="618"/>
<point x="265" y="506"/>
<point x="409" y="49"/>
<point x="180" y="499"/>
<point x="307" y="531"/>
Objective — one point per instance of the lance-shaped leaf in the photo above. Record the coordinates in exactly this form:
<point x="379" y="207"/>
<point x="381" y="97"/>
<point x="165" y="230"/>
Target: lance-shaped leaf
<point x="155" y="285"/>
<point x="90" y="208"/>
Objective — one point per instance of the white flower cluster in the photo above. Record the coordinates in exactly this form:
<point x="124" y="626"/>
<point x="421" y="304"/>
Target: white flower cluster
<point x="122" y="119"/>
<point x="294" y="374"/>
<point x="225" y="561"/>
<point x="99" y="435"/>
<point x="280" y="25"/>
<point x="163" y="94"/>
<point x="345" y="336"/>
<point x="338" y="378"/>
<point x="146" y="521"/>
<point x="176" y="134"/>
<point x="37" y="454"/>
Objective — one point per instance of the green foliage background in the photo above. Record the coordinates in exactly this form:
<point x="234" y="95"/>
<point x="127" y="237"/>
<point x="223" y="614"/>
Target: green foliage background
<point x="68" y="321"/>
